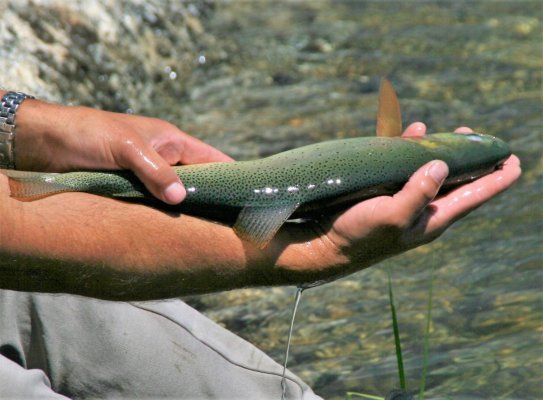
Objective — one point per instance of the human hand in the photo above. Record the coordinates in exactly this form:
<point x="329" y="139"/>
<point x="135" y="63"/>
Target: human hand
<point x="384" y="226"/>
<point x="59" y="138"/>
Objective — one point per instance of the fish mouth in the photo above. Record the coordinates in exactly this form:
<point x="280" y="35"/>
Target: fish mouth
<point x="502" y="149"/>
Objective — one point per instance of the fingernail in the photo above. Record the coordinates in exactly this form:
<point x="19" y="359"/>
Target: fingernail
<point x="419" y="128"/>
<point x="175" y="193"/>
<point x="438" y="171"/>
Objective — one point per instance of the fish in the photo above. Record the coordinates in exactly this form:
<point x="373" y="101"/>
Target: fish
<point x="303" y="182"/>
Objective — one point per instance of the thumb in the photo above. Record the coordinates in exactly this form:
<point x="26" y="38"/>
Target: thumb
<point x="417" y="193"/>
<point x="155" y="173"/>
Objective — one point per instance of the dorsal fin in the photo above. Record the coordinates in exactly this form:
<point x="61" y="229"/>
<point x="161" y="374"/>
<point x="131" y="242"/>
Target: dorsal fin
<point x="389" y="116"/>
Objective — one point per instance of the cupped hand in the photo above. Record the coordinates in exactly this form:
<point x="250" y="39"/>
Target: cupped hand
<point x="384" y="226"/>
<point x="75" y="138"/>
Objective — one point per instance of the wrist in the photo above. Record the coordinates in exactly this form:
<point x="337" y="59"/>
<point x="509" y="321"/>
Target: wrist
<point x="304" y="255"/>
<point x="9" y="106"/>
<point x="39" y="126"/>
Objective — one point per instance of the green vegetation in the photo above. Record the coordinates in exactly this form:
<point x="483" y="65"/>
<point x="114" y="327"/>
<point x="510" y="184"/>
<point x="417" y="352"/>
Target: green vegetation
<point x="396" y="330"/>
<point x="351" y="395"/>
<point x="397" y="342"/>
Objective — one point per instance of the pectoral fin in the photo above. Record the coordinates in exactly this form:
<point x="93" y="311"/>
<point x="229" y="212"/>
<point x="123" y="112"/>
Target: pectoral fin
<point x="259" y="225"/>
<point x="389" y="116"/>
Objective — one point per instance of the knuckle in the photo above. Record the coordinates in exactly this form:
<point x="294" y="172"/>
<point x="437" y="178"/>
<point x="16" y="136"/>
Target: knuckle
<point x="165" y="175"/>
<point x="428" y="188"/>
<point x="124" y="150"/>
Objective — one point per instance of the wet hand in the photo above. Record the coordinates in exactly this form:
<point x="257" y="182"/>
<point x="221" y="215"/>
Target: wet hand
<point x="384" y="226"/>
<point x="57" y="138"/>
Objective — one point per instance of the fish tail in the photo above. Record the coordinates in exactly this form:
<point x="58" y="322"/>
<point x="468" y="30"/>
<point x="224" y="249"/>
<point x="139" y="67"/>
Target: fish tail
<point x="25" y="185"/>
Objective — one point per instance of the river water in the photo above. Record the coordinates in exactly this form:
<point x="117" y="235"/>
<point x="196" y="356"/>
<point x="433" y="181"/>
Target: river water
<point x="255" y="78"/>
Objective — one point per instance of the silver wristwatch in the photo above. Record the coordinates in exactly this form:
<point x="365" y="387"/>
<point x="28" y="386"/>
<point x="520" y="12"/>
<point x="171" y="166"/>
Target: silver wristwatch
<point x="8" y="107"/>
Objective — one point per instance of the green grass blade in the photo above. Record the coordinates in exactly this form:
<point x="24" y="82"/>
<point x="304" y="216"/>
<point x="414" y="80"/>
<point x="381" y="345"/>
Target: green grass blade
<point x="427" y="336"/>
<point x="363" y="396"/>
<point x="399" y="357"/>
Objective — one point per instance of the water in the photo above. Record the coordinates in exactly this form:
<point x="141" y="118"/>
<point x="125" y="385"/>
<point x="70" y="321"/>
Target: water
<point x="310" y="71"/>
<point x="255" y="78"/>
<point x="297" y="299"/>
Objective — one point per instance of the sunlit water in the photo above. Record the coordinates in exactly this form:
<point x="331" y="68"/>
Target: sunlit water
<point x="255" y="78"/>
<point x="292" y="75"/>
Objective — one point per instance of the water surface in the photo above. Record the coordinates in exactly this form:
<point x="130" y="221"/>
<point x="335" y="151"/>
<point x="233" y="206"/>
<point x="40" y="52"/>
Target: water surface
<point x="284" y="75"/>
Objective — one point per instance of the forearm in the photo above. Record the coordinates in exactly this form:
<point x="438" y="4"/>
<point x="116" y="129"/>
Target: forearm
<point x="104" y="248"/>
<point x="99" y="247"/>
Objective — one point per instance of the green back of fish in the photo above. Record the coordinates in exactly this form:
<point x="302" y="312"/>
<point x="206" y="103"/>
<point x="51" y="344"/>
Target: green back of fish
<point x="268" y="191"/>
<point x="336" y="168"/>
<point x="310" y="173"/>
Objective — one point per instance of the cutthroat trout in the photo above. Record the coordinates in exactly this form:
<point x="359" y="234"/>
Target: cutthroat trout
<point x="297" y="183"/>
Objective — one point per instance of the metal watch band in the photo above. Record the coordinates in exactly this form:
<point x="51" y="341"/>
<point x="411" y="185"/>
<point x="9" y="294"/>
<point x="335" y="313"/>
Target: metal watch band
<point x="8" y="107"/>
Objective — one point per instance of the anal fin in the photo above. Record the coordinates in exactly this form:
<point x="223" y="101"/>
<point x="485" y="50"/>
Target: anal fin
<point x="259" y="225"/>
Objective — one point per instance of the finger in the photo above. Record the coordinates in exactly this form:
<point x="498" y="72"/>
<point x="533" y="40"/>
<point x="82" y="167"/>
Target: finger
<point x="461" y="201"/>
<point x="155" y="173"/>
<point x="175" y="145"/>
<point x="463" y="129"/>
<point x="396" y="212"/>
<point x="414" y="130"/>
<point x="194" y="151"/>
<point x="417" y="193"/>
<point x="170" y="153"/>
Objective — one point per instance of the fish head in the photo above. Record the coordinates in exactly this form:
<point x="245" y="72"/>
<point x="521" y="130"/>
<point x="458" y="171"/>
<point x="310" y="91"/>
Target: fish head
<point x="468" y="155"/>
<point x="481" y="146"/>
